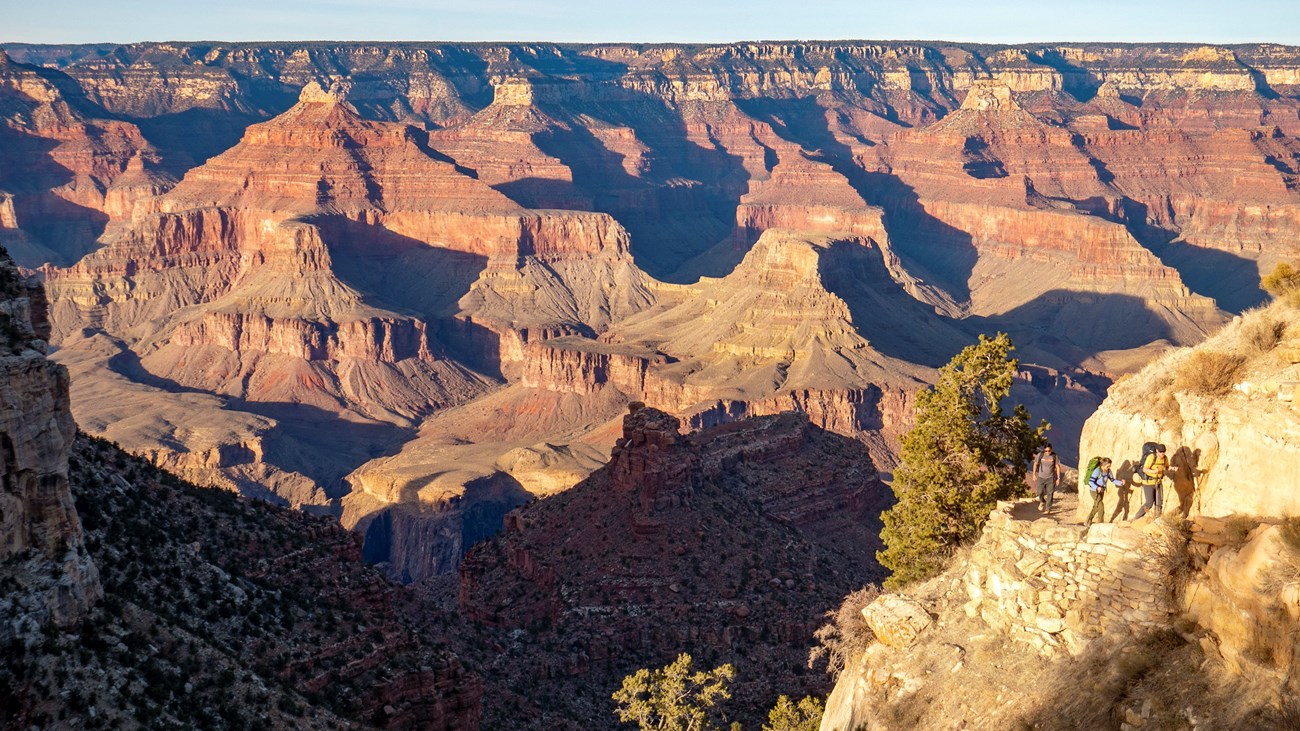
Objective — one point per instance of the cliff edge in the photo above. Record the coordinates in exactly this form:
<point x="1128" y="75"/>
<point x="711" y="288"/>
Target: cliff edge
<point x="1182" y="621"/>
<point x="45" y="571"/>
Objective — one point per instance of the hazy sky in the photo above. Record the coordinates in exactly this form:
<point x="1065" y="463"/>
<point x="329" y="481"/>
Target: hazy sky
<point x="1000" y="21"/>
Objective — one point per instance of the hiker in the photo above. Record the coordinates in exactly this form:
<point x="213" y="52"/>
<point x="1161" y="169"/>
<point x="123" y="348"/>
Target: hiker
<point x="1150" y="474"/>
<point x="1047" y="473"/>
<point x="1098" y="477"/>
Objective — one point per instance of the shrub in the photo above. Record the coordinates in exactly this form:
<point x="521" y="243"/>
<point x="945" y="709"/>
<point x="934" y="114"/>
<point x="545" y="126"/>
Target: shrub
<point x="1283" y="283"/>
<point x="1209" y="372"/>
<point x="963" y="456"/>
<point x="846" y="635"/>
<point x="1238" y="530"/>
<point x="673" y="698"/>
<point x="1291" y="535"/>
<point x="786" y="715"/>
<point x="1262" y="333"/>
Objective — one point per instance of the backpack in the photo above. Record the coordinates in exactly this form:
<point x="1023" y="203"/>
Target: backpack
<point x="1093" y="464"/>
<point x="1148" y="449"/>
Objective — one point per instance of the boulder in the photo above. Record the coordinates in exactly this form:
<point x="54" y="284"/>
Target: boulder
<point x="896" y="620"/>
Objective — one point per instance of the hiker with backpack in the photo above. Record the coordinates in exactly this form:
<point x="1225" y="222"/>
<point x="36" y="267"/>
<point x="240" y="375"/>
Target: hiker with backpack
<point x="1099" y="475"/>
<point x="1150" y="474"/>
<point x="1047" y="473"/>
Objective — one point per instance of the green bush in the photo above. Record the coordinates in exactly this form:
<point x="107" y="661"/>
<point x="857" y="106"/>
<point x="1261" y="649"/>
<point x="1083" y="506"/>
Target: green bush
<point x="787" y="715"/>
<point x="673" y="698"/>
<point x="963" y="455"/>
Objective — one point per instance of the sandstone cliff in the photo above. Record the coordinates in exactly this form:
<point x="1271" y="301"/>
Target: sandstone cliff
<point x="47" y="573"/>
<point x="1224" y="410"/>
<point x="1050" y="624"/>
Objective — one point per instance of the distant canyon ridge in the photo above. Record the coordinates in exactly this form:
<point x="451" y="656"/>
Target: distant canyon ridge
<point x="416" y="285"/>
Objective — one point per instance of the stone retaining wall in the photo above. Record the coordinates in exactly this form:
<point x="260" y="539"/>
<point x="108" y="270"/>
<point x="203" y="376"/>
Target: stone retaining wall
<point x="1060" y="586"/>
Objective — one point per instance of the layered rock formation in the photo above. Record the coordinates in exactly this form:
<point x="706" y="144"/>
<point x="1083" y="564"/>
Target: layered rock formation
<point x="63" y="174"/>
<point x="728" y="542"/>
<point x="775" y="335"/>
<point x="304" y="269"/>
<point x="394" y="276"/>
<point x="48" y="575"/>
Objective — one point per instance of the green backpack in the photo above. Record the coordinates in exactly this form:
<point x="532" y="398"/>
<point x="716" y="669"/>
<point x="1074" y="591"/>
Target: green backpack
<point x="1093" y="464"/>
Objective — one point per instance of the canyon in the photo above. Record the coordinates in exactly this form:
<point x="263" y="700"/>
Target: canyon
<point x="414" y="286"/>
<point x="609" y="350"/>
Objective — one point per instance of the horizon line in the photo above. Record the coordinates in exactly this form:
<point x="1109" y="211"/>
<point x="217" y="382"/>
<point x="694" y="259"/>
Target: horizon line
<point x="915" y="41"/>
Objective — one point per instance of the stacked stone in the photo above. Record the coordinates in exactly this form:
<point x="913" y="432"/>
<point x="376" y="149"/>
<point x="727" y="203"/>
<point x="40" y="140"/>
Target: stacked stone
<point x="1060" y="587"/>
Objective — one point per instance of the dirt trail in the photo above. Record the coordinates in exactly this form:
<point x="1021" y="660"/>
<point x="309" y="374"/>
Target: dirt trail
<point x="1063" y="509"/>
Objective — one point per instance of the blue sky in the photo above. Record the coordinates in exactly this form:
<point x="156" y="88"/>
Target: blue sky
<point x="992" y="21"/>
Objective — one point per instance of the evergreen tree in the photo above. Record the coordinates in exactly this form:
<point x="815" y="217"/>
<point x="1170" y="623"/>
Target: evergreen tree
<point x="963" y="455"/>
<point x="786" y="715"/>
<point x="673" y="698"/>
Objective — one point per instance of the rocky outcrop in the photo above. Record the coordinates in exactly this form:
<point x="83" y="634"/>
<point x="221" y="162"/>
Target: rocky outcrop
<point x="1247" y="595"/>
<point x="1211" y="585"/>
<point x="44" y="565"/>
<point x="1124" y="624"/>
<point x="1226" y="413"/>
<point x="725" y="540"/>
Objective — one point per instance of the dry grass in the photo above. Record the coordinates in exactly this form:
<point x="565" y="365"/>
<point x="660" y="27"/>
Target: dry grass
<point x="1167" y="411"/>
<point x="1209" y="372"/>
<point x="846" y="635"/>
<point x="1092" y="689"/>
<point x="1238" y="530"/>
<point x="1169" y="550"/>
<point x="1283" y="283"/>
<point x="1262" y="333"/>
<point x="1291" y="536"/>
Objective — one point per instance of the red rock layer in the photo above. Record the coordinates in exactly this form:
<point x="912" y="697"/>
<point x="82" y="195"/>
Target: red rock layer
<point x="659" y="551"/>
<point x="63" y="176"/>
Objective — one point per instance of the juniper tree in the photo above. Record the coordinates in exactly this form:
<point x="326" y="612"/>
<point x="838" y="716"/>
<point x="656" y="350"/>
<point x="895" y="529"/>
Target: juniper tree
<point x="963" y="455"/>
<point x="673" y="698"/>
<point x="787" y="715"/>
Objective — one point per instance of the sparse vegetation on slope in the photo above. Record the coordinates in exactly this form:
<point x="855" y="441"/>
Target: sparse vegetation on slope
<point x="673" y="698"/>
<point x="223" y="613"/>
<point x="787" y="715"/>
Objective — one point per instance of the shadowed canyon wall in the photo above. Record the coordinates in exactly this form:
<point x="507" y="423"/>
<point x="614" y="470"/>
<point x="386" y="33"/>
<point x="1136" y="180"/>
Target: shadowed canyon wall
<point x="370" y="279"/>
